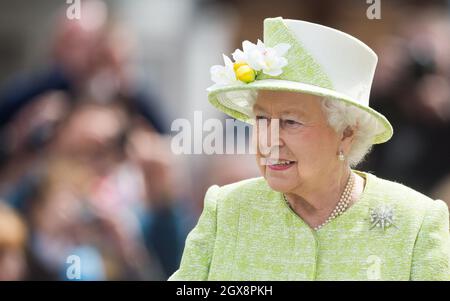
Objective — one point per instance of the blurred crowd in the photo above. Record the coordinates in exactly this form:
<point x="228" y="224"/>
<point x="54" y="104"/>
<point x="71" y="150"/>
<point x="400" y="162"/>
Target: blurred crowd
<point x="86" y="167"/>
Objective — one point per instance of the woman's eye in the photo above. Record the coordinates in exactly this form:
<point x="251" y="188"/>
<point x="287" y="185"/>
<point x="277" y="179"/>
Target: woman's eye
<point x="291" y="123"/>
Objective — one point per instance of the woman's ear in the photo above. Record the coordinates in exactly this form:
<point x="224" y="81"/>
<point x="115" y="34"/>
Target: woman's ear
<point x="347" y="137"/>
<point x="347" y="134"/>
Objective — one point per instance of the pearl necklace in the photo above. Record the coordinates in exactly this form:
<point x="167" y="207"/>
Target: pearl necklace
<point x="341" y="206"/>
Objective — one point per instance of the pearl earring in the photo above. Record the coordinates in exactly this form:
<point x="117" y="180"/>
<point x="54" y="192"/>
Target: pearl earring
<point x="341" y="156"/>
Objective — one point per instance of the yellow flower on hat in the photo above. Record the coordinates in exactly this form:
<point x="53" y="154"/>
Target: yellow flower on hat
<point x="238" y="64"/>
<point x="244" y="72"/>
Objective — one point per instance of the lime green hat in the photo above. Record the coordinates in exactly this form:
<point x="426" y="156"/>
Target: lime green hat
<point x="298" y="56"/>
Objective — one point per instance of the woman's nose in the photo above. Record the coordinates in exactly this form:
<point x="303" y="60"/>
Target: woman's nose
<point x="269" y="135"/>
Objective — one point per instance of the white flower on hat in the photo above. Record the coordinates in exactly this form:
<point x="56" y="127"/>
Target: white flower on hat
<point x="259" y="57"/>
<point x="249" y="62"/>
<point x="224" y="75"/>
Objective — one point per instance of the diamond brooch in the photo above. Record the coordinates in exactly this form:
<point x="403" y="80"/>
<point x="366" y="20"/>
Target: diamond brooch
<point x="382" y="217"/>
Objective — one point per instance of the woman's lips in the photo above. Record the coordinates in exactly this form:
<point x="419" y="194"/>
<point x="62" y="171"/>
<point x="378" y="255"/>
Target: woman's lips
<point x="279" y="167"/>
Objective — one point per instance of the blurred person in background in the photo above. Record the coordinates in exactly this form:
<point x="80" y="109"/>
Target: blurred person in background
<point x="168" y="212"/>
<point x="412" y="85"/>
<point x="89" y="59"/>
<point x="67" y="219"/>
<point x="118" y="192"/>
<point x="13" y="239"/>
<point x="138" y="177"/>
<point x="27" y="137"/>
<point x="99" y="185"/>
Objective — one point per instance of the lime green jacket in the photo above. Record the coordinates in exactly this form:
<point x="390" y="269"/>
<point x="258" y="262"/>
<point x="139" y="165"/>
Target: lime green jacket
<point x="247" y="232"/>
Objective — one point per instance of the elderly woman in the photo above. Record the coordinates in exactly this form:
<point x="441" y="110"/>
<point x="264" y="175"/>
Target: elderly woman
<point x="311" y="216"/>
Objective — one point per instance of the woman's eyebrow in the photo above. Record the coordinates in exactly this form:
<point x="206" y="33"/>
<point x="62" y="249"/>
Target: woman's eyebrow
<point x="297" y="113"/>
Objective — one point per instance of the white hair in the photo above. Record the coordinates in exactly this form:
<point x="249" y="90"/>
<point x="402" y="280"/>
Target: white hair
<point x="341" y="115"/>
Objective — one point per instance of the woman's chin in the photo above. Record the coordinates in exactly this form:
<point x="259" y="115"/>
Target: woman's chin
<point x="281" y="179"/>
<point x="279" y="184"/>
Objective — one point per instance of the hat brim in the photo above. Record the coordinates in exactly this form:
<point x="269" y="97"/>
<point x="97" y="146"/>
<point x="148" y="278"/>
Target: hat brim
<point x="239" y="107"/>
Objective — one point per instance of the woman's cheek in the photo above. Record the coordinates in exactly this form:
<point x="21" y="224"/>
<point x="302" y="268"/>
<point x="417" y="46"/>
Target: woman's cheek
<point x="308" y="147"/>
<point x="299" y="144"/>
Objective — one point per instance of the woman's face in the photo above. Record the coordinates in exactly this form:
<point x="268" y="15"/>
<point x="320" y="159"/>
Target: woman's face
<point x="305" y="139"/>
